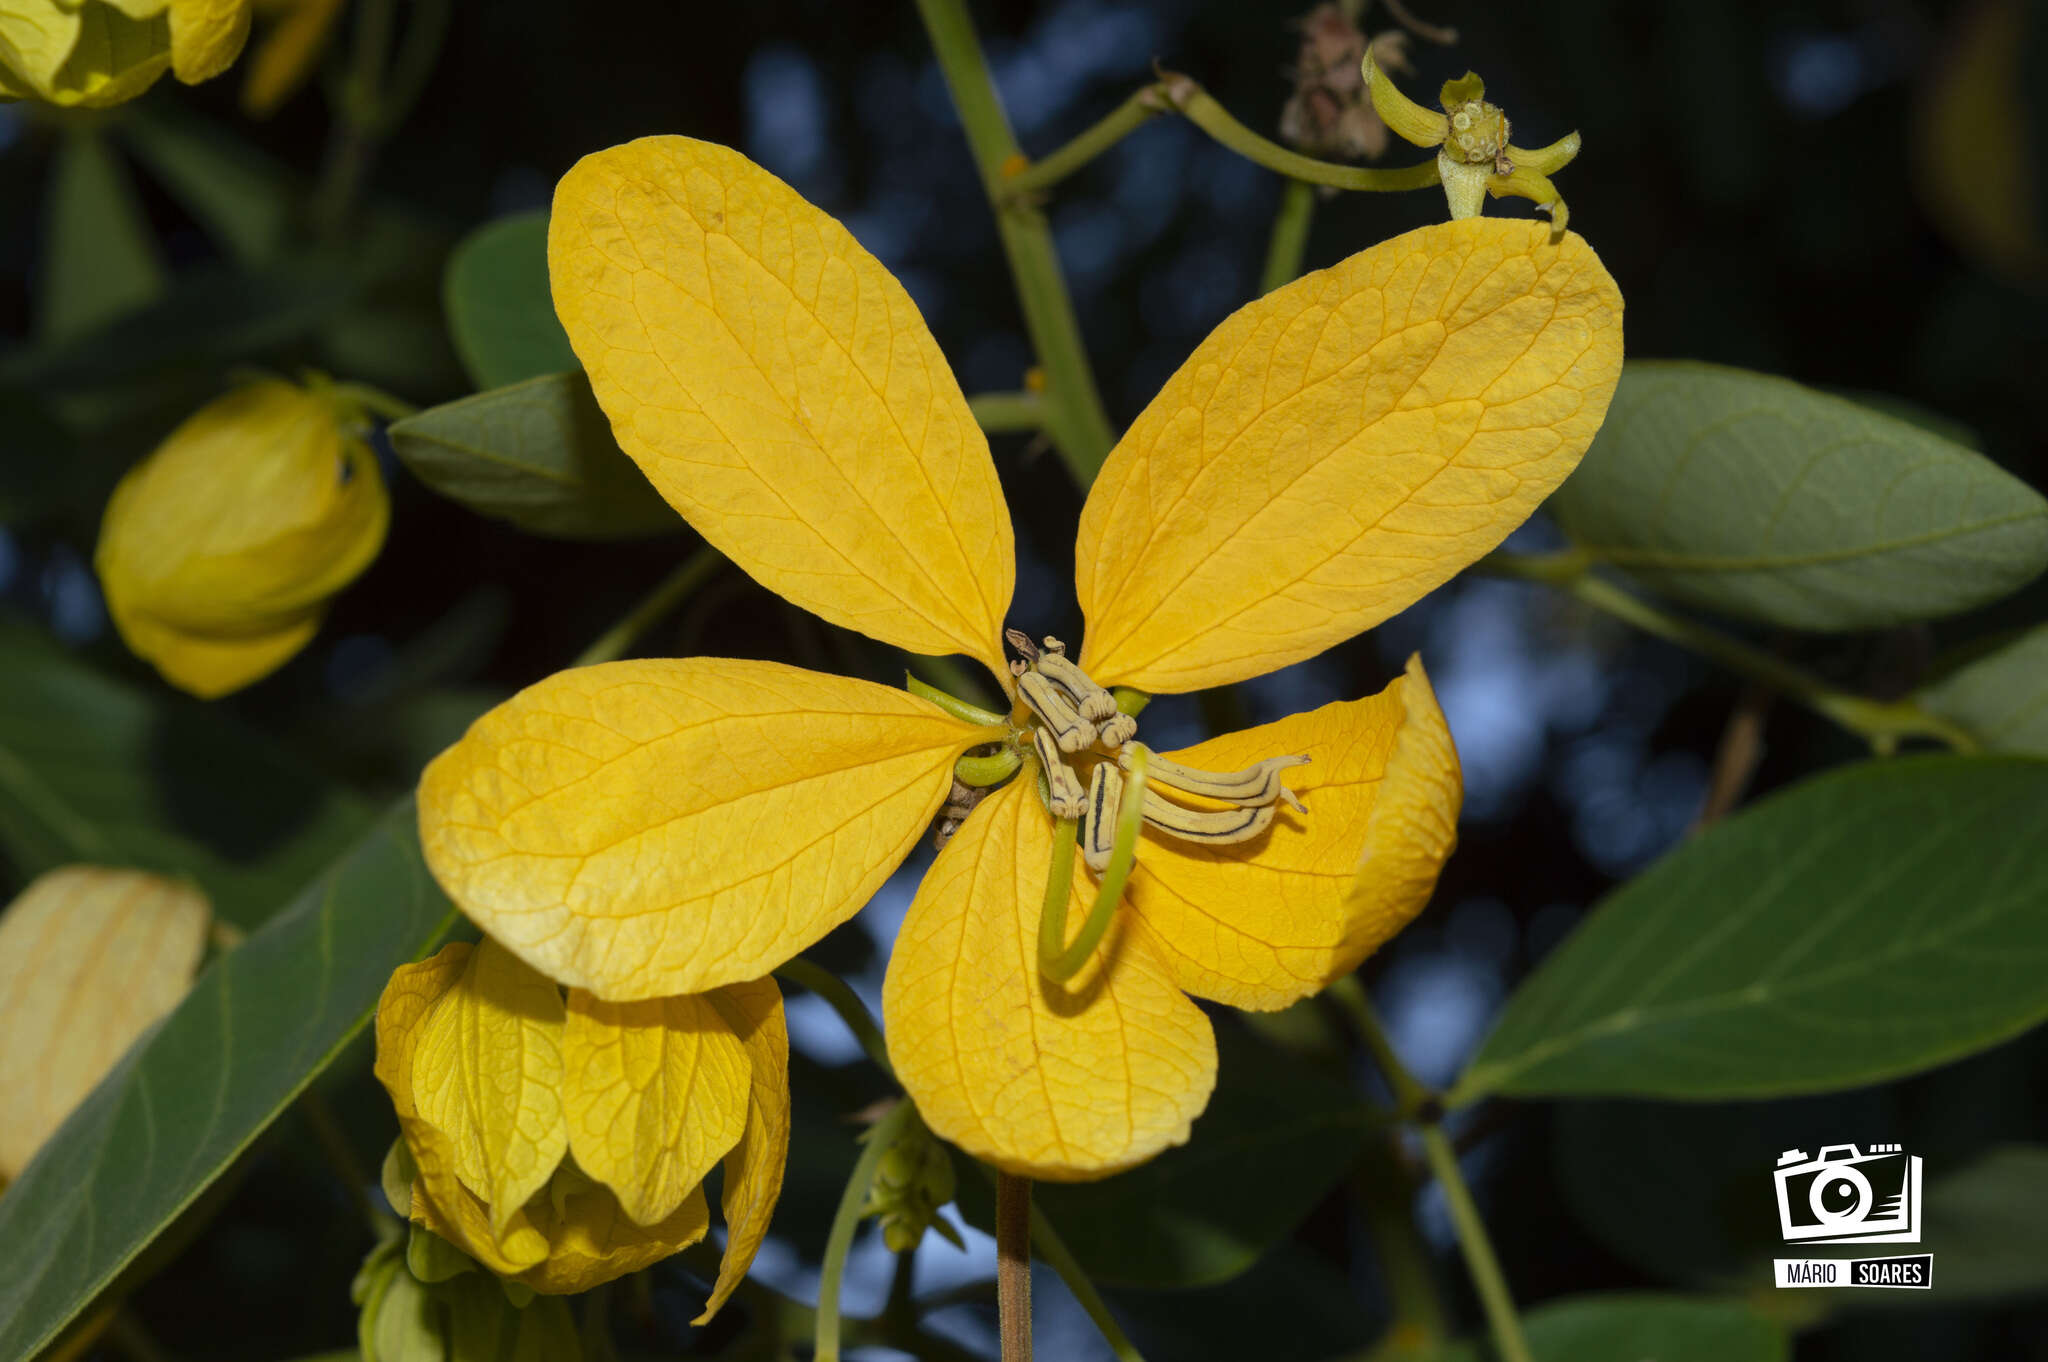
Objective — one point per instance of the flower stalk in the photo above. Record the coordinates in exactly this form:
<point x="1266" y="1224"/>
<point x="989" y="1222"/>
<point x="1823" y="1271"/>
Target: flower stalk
<point x="1013" y="1266"/>
<point x="846" y="1219"/>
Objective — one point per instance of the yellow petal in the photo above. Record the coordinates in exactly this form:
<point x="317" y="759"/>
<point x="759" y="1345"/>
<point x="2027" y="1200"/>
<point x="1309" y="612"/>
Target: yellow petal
<point x="594" y="1241"/>
<point x="439" y="1200"/>
<point x="656" y="1094"/>
<point x="85" y="55"/>
<point x="211" y="667"/>
<point x="780" y="389"/>
<point x="642" y="829"/>
<point x="1059" y="1082"/>
<point x="753" y="1171"/>
<point x="89" y="960"/>
<point x="487" y="1073"/>
<point x="1262" y="925"/>
<point x="206" y="37"/>
<point x="37" y="37"/>
<point x="288" y="54"/>
<point x="1341" y="446"/>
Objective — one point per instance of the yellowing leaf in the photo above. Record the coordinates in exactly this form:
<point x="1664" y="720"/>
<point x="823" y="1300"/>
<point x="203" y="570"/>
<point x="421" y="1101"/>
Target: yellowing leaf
<point x="642" y="829"/>
<point x="656" y="1093"/>
<point x="89" y="960"/>
<point x="780" y="389"/>
<point x="1341" y="446"/>
<point x="487" y="1072"/>
<point x="1064" y="1083"/>
<point x="1263" y="926"/>
<point x="753" y="1171"/>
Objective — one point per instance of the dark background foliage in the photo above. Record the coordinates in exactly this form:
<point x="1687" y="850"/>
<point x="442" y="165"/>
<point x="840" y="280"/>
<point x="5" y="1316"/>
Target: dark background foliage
<point x="1748" y="177"/>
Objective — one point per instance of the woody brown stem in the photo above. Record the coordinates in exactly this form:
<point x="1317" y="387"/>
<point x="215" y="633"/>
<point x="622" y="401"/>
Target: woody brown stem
<point x="1013" y="1266"/>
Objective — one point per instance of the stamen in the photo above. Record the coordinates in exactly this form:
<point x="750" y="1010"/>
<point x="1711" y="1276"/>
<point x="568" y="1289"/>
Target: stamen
<point x="1218" y="828"/>
<point x="1050" y="704"/>
<point x="1123" y="856"/>
<point x="1091" y="701"/>
<point x="1098" y="824"/>
<point x="1064" y="795"/>
<point x="1255" y="785"/>
<point x="1021" y="641"/>
<point x="960" y="802"/>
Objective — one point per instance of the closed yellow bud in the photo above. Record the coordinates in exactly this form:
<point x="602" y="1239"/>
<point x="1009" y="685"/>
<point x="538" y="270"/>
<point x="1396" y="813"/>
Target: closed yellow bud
<point x="93" y="53"/>
<point x="219" y="551"/>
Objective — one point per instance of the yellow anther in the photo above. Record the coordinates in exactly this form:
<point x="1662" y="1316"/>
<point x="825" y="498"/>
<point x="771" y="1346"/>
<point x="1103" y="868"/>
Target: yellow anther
<point x="1255" y="786"/>
<point x="1072" y="732"/>
<point x="1098" y="823"/>
<point x="1092" y="702"/>
<point x="1064" y="795"/>
<point x="1218" y="828"/>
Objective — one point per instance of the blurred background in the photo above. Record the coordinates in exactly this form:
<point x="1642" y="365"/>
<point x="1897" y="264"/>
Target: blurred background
<point x="1769" y="182"/>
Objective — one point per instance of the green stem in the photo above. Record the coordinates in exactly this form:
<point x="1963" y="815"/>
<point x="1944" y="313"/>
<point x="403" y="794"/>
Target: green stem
<point x="355" y="139"/>
<point x="1385" y="1196"/>
<point x="1492" y="1287"/>
<point x="1008" y="413"/>
<point x="1205" y="113"/>
<point x="424" y="34"/>
<point x="1134" y="113"/>
<point x="1075" y="418"/>
<point x="1050" y="1247"/>
<point x="839" y="1242"/>
<point x="673" y="589"/>
<point x="1062" y="965"/>
<point x="843" y="1000"/>
<point x="1411" y="1094"/>
<point x="1059" y="880"/>
<point x="1290" y="235"/>
<point x="133" y="1341"/>
<point x="1882" y="723"/>
<point x="946" y="700"/>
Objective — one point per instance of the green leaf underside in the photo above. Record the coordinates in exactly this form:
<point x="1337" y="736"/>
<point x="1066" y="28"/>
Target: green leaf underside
<point x="500" y="313"/>
<point x="1629" y="1326"/>
<point x="260" y="1023"/>
<point x="1274" y="1140"/>
<point x="93" y="769"/>
<point x="1761" y="499"/>
<point x="1876" y="921"/>
<point x="2000" y="696"/>
<point x="242" y="198"/>
<point x="539" y="454"/>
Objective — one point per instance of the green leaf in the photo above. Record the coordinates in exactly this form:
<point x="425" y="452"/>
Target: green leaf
<point x="1758" y="498"/>
<point x="1632" y="1326"/>
<point x="500" y="312"/>
<point x="92" y="769"/>
<point x="1879" y="920"/>
<point x="1987" y="1225"/>
<point x="99" y="256"/>
<point x="242" y="198"/>
<point x="1999" y="695"/>
<point x="259" y="1024"/>
<point x="1275" y="1139"/>
<point x="539" y="454"/>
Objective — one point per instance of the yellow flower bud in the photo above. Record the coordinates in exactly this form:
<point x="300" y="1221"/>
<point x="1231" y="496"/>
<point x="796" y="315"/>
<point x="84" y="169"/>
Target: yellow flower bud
<point x="219" y="551"/>
<point x="93" y="53"/>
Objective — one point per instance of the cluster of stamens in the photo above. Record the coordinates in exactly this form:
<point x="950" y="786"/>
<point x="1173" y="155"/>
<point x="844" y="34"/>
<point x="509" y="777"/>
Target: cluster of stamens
<point x="1077" y="728"/>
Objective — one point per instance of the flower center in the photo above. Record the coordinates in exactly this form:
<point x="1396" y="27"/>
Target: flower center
<point x="1103" y="787"/>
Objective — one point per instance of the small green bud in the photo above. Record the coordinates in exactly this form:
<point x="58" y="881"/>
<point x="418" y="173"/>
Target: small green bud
<point x="431" y="1258"/>
<point x="913" y="1180"/>
<point x="400" y="1320"/>
<point x="396" y="1177"/>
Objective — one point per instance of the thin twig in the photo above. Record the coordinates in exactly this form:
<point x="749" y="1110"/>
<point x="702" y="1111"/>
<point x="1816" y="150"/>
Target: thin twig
<point x="1441" y="34"/>
<point x="1013" y="1266"/>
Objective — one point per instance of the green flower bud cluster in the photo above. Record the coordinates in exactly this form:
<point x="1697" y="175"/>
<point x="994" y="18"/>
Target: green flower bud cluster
<point x="914" y="1179"/>
<point x="424" y="1300"/>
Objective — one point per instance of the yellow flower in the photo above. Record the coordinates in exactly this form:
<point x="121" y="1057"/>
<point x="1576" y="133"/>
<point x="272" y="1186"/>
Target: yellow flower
<point x="219" y="551"/>
<point x="99" y="52"/>
<point x="1474" y="159"/>
<point x="89" y="960"/>
<point x="563" y="1144"/>
<point x="1328" y="455"/>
